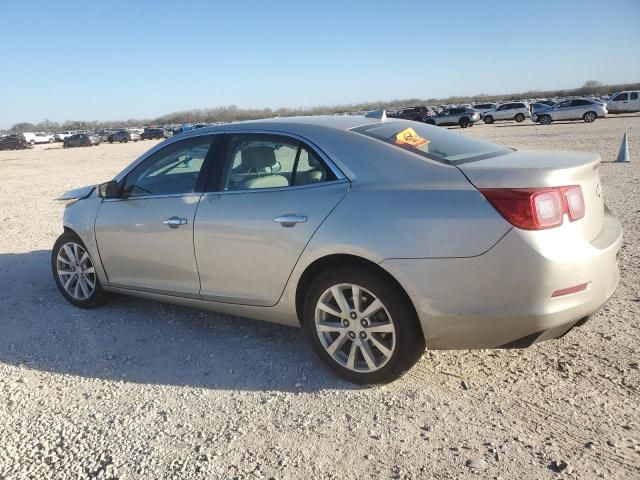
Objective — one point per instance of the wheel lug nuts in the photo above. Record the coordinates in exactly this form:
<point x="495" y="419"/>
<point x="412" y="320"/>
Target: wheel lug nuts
<point x="352" y="335"/>
<point x="345" y="323"/>
<point x="363" y="335"/>
<point x="364" y="322"/>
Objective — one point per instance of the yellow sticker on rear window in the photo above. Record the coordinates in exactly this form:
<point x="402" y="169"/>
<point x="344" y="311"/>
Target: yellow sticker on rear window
<point x="411" y="138"/>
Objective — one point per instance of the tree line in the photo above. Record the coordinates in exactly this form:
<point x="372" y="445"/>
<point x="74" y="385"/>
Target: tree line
<point x="232" y="113"/>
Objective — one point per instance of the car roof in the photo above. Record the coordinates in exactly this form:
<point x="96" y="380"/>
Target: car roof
<point x="336" y="122"/>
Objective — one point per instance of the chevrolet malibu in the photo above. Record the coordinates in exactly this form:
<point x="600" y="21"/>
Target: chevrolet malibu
<point x="379" y="237"/>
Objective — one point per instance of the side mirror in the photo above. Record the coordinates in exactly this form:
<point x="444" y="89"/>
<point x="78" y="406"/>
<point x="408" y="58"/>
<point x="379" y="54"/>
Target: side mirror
<point x="109" y="189"/>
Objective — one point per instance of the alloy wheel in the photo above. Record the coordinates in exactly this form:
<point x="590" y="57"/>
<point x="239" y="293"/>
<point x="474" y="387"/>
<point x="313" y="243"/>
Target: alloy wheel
<point x="589" y="117"/>
<point x="76" y="271"/>
<point x="355" y="328"/>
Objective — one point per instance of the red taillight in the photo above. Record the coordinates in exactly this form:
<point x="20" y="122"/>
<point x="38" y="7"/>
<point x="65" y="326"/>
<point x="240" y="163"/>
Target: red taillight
<point x="537" y="208"/>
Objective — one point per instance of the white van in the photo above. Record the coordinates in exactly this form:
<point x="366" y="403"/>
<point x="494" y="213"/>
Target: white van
<point x="624" y="102"/>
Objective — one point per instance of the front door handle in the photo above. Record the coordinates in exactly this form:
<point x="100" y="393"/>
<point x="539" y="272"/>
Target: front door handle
<point x="290" y="220"/>
<point x="175" y="222"/>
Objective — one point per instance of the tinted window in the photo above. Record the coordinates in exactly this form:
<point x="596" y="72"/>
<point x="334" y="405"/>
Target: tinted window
<point x="580" y="103"/>
<point x="432" y="142"/>
<point x="634" y="95"/>
<point x="171" y="170"/>
<point x="504" y="107"/>
<point x="564" y="104"/>
<point x="518" y="105"/>
<point x="621" y="97"/>
<point x="267" y="161"/>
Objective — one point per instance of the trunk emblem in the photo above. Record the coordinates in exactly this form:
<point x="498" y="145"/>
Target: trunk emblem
<point x="599" y="190"/>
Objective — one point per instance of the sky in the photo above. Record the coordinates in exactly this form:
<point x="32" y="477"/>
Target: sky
<point x="78" y="60"/>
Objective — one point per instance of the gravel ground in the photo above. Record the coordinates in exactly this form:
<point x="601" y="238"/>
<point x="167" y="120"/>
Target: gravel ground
<point x="139" y="389"/>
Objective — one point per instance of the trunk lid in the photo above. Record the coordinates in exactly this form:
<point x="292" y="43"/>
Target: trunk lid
<point x="539" y="169"/>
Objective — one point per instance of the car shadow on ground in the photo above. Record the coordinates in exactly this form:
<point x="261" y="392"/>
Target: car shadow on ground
<point x="146" y="342"/>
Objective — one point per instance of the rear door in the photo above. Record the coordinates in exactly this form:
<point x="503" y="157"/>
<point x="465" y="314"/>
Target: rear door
<point x="268" y="196"/>
<point x="634" y="102"/>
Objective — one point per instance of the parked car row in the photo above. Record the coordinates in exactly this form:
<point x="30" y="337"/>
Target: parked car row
<point x="14" y="142"/>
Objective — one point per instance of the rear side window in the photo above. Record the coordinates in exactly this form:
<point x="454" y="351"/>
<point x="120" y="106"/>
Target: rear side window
<point x="579" y="103"/>
<point x="432" y="142"/>
<point x="269" y="161"/>
<point x="634" y="95"/>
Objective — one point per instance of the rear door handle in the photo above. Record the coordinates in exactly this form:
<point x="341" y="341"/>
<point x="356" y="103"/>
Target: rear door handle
<point x="290" y="220"/>
<point x="175" y="222"/>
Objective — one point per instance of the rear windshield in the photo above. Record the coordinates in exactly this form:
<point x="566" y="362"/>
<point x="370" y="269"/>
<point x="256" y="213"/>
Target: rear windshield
<point x="435" y="143"/>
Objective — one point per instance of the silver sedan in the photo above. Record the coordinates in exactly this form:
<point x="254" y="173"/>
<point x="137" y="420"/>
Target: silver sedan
<point x="379" y="237"/>
<point x="576" y="109"/>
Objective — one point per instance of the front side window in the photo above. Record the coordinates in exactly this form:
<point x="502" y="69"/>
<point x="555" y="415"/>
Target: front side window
<point x="171" y="170"/>
<point x="504" y="107"/>
<point x="634" y="95"/>
<point x="269" y="161"/>
<point x="564" y="104"/>
<point x="432" y="142"/>
<point x="622" y="97"/>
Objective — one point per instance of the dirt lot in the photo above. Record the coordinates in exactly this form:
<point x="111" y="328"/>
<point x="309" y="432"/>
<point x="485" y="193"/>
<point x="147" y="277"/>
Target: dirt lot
<point x="139" y="389"/>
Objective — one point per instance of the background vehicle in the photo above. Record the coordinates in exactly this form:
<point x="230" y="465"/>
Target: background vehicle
<point x="14" y="142"/>
<point x="38" y="137"/>
<point x="151" y="133"/>
<point x="517" y="111"/>
<point x="369" y="294"/>
<point x="123" y="136"/>
<point x="412" y="113"/>
<point x="622" y="102"/>
<point x="540" y="106"/>
<point x="482" y="108"/>
<point x="578" y="108"/>
<point x="60" y="136"/>
<point x="81" y="140"/>
<point x="462" y="116"/>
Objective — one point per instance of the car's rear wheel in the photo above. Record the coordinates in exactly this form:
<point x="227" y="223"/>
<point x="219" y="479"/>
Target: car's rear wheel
<point x="464" y="122"/>
<point x="519" y="117"/>
<point x="110" y="140"/>
<point x="488" y="119"/>
<point x="589" y="117"/>
<point x="361" y="326"/>
<point x="74" y="272"/>
<point x="545" y="120"/>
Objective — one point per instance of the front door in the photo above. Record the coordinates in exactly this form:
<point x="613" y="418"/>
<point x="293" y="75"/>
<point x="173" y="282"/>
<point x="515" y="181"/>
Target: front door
<point x="270" y="196"/>
<point x="619" y="103"/>
<point x="145" y="238"/>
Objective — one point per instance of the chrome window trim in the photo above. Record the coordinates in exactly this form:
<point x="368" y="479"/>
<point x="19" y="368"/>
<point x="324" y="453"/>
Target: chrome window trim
<point x="149" y="197"/>
<point x="276" y="189"/>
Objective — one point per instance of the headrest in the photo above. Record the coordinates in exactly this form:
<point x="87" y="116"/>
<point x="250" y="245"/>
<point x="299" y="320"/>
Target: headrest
<point x="258" y="157"/>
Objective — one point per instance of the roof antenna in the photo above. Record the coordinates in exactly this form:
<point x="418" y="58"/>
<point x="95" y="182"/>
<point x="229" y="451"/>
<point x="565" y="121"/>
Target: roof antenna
<point x="381" y="114"/>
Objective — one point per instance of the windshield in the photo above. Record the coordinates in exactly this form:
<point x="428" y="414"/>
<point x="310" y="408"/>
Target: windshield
<point x="435" y="143"/>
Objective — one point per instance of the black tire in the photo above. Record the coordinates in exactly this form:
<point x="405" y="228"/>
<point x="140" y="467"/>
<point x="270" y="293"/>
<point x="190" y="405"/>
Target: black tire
<point x="590" y="117"/>
<point x="519" y="117"/>
<point x="110" y="140"/>
<point x="98" y="297"/>
<point x="545" y="120"/>
<point x="409" y="339"/>
<point x="464" y="122"/>
<point x="488" y="119"/>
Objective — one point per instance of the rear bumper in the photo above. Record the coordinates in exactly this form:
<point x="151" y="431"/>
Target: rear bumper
<point x="502" y="299"/>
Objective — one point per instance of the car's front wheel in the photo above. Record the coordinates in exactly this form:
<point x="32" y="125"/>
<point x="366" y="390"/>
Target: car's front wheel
<point x="589" y="117"/>
<point x="488" y="119"/>
<point x="545" y="119"/>
<point x="74" y="272"/>
<point x="361" y="325"/>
